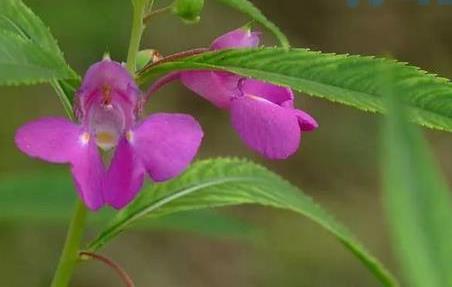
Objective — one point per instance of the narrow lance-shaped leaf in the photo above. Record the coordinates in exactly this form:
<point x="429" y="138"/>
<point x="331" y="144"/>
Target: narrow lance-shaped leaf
<point x="252" y="11"/>
<point x="418" y="202"/>
<point x="223" y="182"/>
<point x="350" y="80"/>
<point x="28" y="52"/>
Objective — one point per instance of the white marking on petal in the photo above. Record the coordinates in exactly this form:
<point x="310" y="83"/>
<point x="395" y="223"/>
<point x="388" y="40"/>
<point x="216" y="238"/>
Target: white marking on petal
<point x="84" y="138"/>
<point x="129" y="136"/>
<point x="253" y="97"/>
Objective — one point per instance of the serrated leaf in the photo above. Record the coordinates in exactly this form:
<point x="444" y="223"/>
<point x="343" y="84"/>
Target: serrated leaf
<point x="350" y="80"/>
<point x="418" y="202"/>
<point x="46" y="197"/>
<point x="247" y="8"/>
<point x="28" y="52"/>
<point x="22" y="62"/>
<point x="223" y="182"/>
<point x="19" y="19"/>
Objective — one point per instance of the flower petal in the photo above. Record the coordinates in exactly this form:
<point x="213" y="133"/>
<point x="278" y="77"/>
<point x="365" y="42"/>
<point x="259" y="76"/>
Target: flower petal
<point x="124" y="177"/>
<point x="238" y="38"/>
<point x="273" y="93"/>
<point x="166" y="144"/>
<point x="267" y="128"/>
<point x="61" y="141"/>
<point x="216" y="87"/>
<point x="51" y="139"/>
<point x="306" y="121"/>
<point x="89" y="175"/>
<point x="112" y="74"/>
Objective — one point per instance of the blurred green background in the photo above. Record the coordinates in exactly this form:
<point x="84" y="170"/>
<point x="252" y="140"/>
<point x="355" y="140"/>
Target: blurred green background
<point x="337" y="164"/>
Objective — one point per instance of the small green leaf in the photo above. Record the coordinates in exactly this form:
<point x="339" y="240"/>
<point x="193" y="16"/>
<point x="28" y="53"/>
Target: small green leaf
<point x="350" y="80"/>
<point x="28" y="52"/>
<point x="223" y="182"/>
<point x="418" y="202"/>
<point x="252" y="11"/>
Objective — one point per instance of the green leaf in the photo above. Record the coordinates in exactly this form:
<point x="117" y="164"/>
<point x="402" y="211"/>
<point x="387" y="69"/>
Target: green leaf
<point x="46" y="198"/>
<point x="350" y="80"/>
<point x="28" y="52"/>
<point x="247" y="8"/>
<point x="223" y="182"/>
<point x="17" y="18"/>
<point x="418" y="202"/>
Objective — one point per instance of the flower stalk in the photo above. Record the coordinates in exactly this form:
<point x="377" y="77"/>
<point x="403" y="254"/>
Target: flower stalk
<point x="139" y="7"/>
<point x="69" y="256"/>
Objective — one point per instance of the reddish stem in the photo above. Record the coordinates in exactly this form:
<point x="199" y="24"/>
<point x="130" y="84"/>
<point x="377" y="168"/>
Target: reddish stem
<point x="176" y="56"/>
<point x="110" y="263"/>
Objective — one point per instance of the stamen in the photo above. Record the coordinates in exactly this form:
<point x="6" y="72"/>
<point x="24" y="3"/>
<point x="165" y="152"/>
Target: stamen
<point x="106" y="95"/>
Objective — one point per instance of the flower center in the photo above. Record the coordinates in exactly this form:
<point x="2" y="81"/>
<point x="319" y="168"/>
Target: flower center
<point x="107" y="124"/>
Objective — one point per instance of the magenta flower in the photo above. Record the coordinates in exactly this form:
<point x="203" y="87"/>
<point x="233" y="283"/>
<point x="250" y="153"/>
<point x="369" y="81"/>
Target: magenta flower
<point x="162" y="145"/>
<point x="263" y="114"/>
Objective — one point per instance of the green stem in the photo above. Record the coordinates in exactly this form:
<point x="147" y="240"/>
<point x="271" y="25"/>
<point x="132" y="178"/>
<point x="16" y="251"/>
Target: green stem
<point x="69" y="257"/>
<point x="139" y="7"/>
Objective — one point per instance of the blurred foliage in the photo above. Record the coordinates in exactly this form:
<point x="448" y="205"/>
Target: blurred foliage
<point x="22" y="204"/>
<point x="417" y="200"/>
<point x="337" y="163"/>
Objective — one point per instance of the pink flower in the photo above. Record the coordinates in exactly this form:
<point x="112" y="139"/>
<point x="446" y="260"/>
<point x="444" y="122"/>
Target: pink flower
<point x="162" y="145"/>
<point x="263" y="114"/>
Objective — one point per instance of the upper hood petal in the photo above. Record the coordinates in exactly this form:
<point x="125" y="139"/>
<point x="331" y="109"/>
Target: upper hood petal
<point x="238" y="38"/>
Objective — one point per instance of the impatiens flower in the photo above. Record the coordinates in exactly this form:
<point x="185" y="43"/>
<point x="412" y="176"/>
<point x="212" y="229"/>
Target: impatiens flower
<point x="263" y="114"/>
<point x="162" y="145"/>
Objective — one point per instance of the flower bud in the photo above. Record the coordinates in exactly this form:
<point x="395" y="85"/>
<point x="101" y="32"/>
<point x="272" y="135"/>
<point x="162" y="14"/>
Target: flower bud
<point x="147" y="56"/>
<point x="188" y="10"/>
